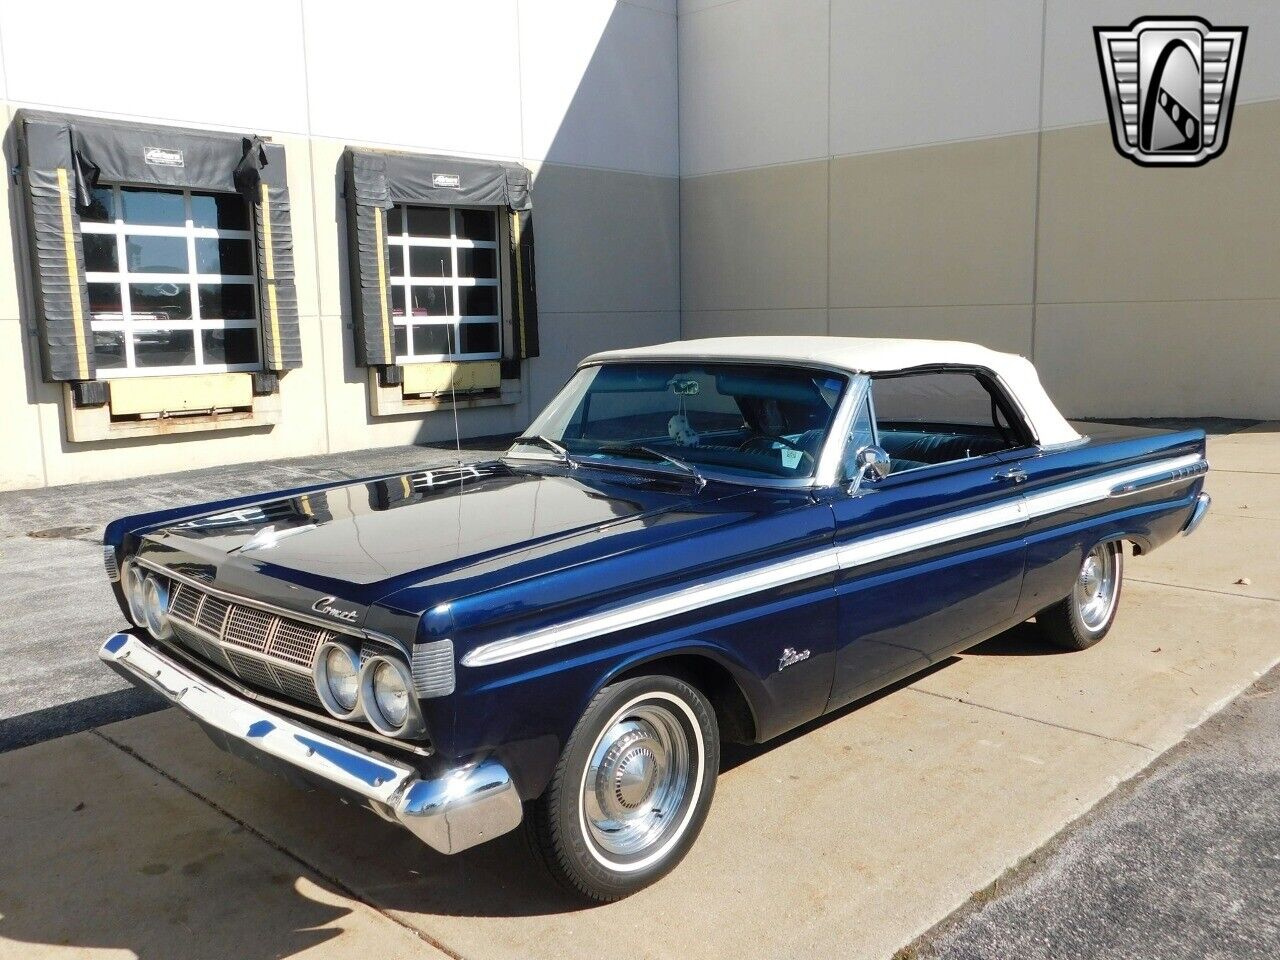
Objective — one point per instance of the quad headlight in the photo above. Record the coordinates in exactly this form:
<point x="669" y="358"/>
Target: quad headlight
<point x="132" y="583"/>
<point x="386" y="690"/>
<point x="155" y="606"/>
<point x="337" y="678"/>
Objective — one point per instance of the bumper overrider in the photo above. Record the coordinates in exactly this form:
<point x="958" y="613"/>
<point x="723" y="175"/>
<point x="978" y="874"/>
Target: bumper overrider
<point x="451" y="812"/>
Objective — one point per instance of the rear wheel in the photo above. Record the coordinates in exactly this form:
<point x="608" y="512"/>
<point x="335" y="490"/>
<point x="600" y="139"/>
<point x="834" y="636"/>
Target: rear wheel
<point x="631" y="790"/>
<point x="1082" y="619"/>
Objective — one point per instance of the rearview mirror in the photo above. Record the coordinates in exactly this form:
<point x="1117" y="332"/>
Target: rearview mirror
<point x="871" y="465"/>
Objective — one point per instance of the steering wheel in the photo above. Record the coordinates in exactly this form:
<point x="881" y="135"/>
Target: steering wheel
<point x="761" y="440"/>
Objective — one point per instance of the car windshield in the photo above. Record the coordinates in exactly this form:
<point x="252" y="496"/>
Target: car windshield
<point x="745" y="421"/>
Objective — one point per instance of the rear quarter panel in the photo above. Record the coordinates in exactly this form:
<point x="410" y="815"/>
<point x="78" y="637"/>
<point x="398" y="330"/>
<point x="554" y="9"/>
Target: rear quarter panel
<point x="1057" y="541"/>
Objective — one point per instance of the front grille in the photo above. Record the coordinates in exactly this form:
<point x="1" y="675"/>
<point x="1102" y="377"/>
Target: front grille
<point x="212" y="615"/>
<point x="262" y="649"/>
<point x="299" y="687"/>
<point x="249" y="628"/>
<point x="252" y="670"/>
<point x="297" y="643"/>
<point x="185" y="604"/>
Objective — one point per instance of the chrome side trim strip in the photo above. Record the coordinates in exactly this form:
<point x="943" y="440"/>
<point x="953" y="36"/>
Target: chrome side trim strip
<point x="635" y="615"/>
<point x="827" y="560"/>
<point x="1164" y="480"/>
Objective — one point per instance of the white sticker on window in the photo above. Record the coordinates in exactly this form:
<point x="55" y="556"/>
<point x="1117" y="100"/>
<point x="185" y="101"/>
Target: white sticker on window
<point x="451" y="180"/>
<point x="163" y="157"/>
<point x="791" y="458"/>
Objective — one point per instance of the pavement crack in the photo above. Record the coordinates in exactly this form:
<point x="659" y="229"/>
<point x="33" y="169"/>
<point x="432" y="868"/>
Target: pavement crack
<point x="1221" y="593"/>
<point x="1023" y="716"/>
<point x="333" y="881"/>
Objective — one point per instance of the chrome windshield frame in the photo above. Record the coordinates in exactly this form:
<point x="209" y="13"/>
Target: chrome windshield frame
<point x="856" y="387"/>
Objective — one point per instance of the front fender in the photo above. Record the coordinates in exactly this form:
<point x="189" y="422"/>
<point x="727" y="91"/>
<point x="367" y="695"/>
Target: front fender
<point x="523" y="711"/>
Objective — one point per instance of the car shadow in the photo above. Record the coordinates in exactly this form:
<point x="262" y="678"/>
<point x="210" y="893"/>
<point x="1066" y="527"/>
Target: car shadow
<point x="734" y="755"/>
<point x="1027" y="639"/>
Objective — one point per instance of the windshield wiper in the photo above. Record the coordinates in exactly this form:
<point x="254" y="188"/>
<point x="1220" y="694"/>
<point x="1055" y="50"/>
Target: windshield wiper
<point x="557" y="449"/>
<point x="637" y="448"/>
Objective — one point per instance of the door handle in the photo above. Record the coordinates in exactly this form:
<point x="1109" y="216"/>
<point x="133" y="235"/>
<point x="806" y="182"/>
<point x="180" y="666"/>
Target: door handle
<point x="1012" y="475"/>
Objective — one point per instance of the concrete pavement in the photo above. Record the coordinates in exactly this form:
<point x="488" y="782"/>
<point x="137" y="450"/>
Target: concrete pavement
<point x="849" y="839"/>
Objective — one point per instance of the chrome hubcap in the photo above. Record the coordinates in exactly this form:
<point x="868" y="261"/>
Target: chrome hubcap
<point x="637" y="781"/>
<point x="1095" y="590"/>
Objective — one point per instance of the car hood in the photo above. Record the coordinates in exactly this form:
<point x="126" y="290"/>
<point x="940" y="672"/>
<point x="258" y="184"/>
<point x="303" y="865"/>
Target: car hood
<point x="363" y="540"/>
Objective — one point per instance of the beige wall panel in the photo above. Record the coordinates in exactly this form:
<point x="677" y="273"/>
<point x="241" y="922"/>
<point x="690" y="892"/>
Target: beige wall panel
<point x="1111" y="230"/>
<point x="23" y="463"/>
<point x="753" y="84"/>
<point x="329" y="268"/>
<point x="930" y="71"/>
<point x="568" y="338"/>
<point x="606" y="240"/>
<point x="1162" y="359"/>
<point x="1004" y="327"/>
<point x="950" y="224"/>
<point x="755" y="239"/>
<point x="300" y="432"/>
<point x="353" y="427"/>
<point x="740" y="323"/>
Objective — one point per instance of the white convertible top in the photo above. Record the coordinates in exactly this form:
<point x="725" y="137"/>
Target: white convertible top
<point x="873" y="355"/>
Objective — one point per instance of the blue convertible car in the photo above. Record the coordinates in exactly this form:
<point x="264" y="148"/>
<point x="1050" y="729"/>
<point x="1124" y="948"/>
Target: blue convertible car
<point x="694" y="542"/>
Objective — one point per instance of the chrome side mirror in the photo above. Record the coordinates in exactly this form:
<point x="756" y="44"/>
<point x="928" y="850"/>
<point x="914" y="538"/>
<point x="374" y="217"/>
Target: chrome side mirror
<point x="871" y="465"/>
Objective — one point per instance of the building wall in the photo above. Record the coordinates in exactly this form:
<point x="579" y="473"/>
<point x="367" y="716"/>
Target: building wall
<point x="930" y="168"/>
<point x="585" y="95"/>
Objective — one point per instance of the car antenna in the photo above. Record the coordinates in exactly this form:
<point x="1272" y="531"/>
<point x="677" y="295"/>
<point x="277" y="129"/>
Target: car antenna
<point x="453" y="330"/>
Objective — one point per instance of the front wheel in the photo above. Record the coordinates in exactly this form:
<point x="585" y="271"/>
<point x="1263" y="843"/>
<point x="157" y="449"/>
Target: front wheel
<point x="631" y="790"/>
<point x="1080" y="620"/>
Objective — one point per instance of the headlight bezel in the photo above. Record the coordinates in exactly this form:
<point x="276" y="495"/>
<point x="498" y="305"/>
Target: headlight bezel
<point x="412" y="725"/>
<point x="320" y="677"/>
<point x="155" y="606"/>
<point x="132" y="581"/>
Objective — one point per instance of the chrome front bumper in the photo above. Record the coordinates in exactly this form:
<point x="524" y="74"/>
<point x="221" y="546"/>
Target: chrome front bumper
<point x="466" y="806"/>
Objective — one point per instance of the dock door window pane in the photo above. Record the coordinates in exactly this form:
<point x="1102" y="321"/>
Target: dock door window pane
<point x="445" y="300"/>
<point x="172" y="282"/>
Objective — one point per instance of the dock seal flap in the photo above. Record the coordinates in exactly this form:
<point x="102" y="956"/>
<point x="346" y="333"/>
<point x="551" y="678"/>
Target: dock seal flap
<point x="378" y="179"/>
<point x="64" y="157"/>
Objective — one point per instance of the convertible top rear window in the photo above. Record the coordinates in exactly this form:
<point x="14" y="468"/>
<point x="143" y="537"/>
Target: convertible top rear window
<point x="742" y="420"/>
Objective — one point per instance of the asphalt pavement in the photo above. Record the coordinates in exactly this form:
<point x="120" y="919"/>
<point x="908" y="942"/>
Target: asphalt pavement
<point x="1181" y="862"/>
<point x="61" y="605"/>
